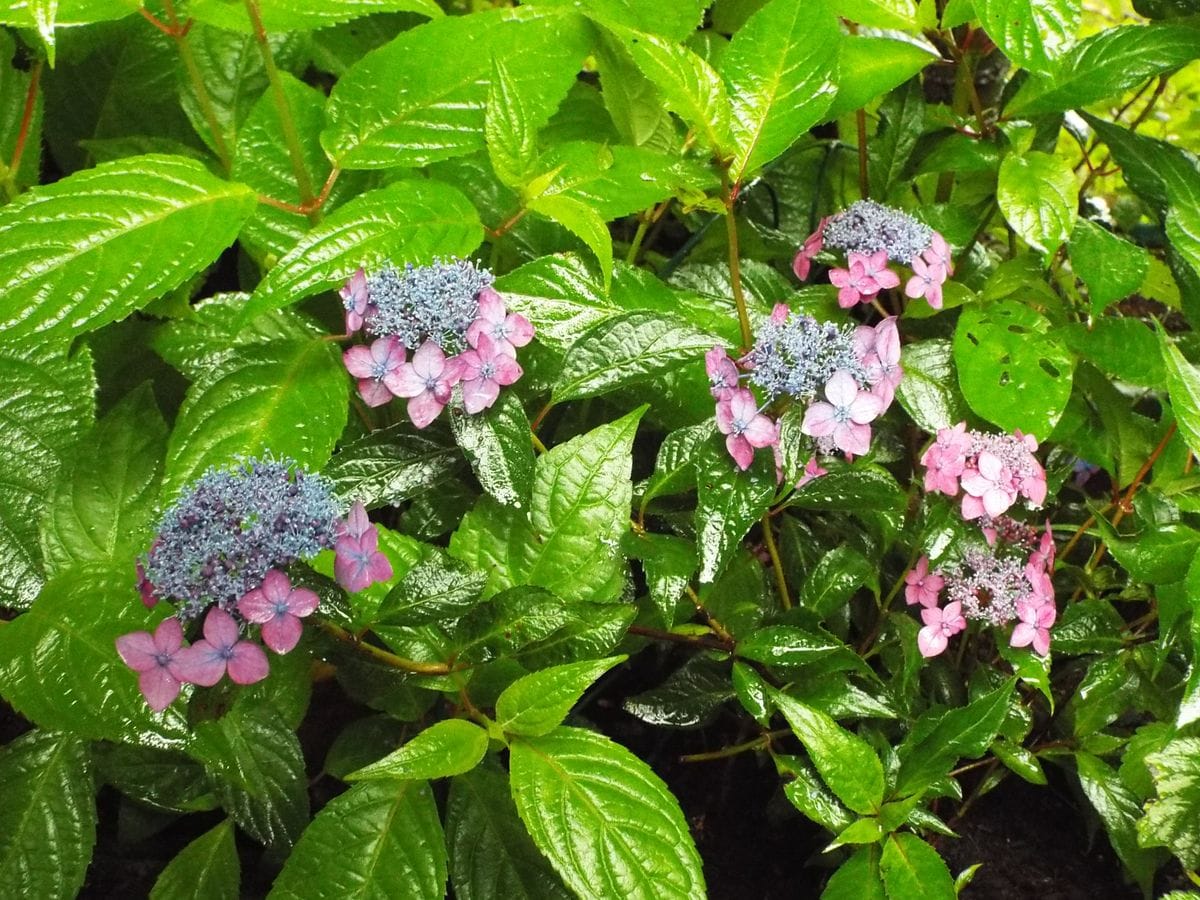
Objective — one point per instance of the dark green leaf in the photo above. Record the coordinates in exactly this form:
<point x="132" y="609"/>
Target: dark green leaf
<point x="434" y="589"/>
<point x="690" y="697"/>
<point x="390" y="465"/>
<point x="729" y="502"/>
<point x="834" y="579"/>
<point x="669" y="563"/>
<point x="379" y="839"/>
<point x="500" y="449"/>
<point x="607" y="823"/>
<point x="448" y="747"/>
<point x="166" y="780"/>
<point x="1119" y="809"/>
<point x="1019" y="760"/>
<point x="48" y="818"/>
<point x="151" y="223"/>
<point x="675" y="469"/>
<point x="927" y="391"/>
<point x="206" y="869"/>
<point x="537" y="704"/>
<point x="786" y="645"/>
<point x="902" y="119"/>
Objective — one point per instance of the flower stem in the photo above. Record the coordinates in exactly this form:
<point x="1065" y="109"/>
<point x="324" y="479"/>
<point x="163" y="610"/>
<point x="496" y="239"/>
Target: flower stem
<point x="701" y="642"/>
<point x="759" y="743"/>
<point x="860" y="126"/>
<point x="290" y="136"/>
<point x="776" y="563"/>
<point x="735" y="273"/>
<point x="383" y="656"/>
<point x="718" y="629"/>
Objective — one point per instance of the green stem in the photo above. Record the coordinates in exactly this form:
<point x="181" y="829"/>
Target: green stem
<point x="179" y="34"/>
<point x="383" y="656"/>
<point x="735" y="273"/>
<point x="290" y="136"/>
<point x="860" y="126"/>
<point x="759" y="743"/>
<point x="776" y="562"/>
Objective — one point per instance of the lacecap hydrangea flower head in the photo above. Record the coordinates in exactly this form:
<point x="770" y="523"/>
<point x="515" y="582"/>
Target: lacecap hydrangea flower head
<point x="457" y="327"/>
<point x="871" y="235"/>
<point x="220" y="552"/>
<point x="844" y="376"/>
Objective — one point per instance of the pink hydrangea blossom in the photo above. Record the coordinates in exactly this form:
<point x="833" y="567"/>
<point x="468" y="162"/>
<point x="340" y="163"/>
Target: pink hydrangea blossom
<point x="813" y="245"/>
<point x="987" y="487"/>
<point x="357" y="562"/>
<point x="1037" y="615"/>
<point x="882" y="362"/>
<point x="865" y="277"/>
<point x="746" y="429"/>
<point x="938" y="254"/>
<point x="722" y="372"/>
<point x="844" y="418"/>
<point x="157" y="660"/>
<point x="508" y="330"/>
<point x="356" y="523"/>
<point x="374" y="366"/>
<point x="278" y="608"/>
<point x="812" y="471"/>
<point x="222" y="650"/>
<point x="946" y="459"/>
<point x="921" y="585"/>
<point x="427" y="382"/>
<point x="940" y="626"/>
<point x="356" y="299"/>
<point x="483" y="370"/>
<point x="926" y="282"/>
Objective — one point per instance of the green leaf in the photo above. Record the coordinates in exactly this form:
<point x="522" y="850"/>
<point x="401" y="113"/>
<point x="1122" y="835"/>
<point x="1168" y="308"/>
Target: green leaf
<point x="1106" y="65"/>
<point x="729" y="501"/>
<point x="14" y="88"/>
<point x="1032" y="33"/>
<point x="835" y="579"/>
<point x="1012" y="368"/>
<point x="165" y="780"/>
<point x="302" y="15"/>
<point x="570" y="542"/>
<point x="1039" y="197"/>
<point x="780" y="70"/>
<point x="491" y="853"/>
<point x="59" y="666"/>
<point x="628" y="349"/>
<point x="853" y="489"/>
<point x="689" y="86"/>
<point x="674" y="21"/>
<point x="911" y="868"/>
<point x="99" y="244"/>
<point x="419" y="98"/>
<point x="379" y="839"/>
<point x="536" y="704"/>
<point x="787" y="645"/>
<point x="206" y="869"/>
<point x="847" y="763"/>
<point x="436" y="588"/>
<point x="585" y="223"/>
<point x="941" y="737"/>
<point x="413" y="221"/>
<point x="858" y="878"/>
<point x="48" y="818"/>
<point x="690" y="697"/>
<point x="511" y="139"/>
<point x="607" y="823"/>
<point x="500" y="449"/>
<point x="1170" y="819"/>
<point x="902" y="120"/>
<point x="257" y="770"/>
<point x="927" y="391"/>
<point x="289" y="397"/>
<point x="675" y="468"/>
<point x="669" y="563"/>
<point x="1183" y="386"/>
<point x="102" y="504"/>
<point x="390" y="465"/>
<point x="1112" y="268"/>
<point x="878" y="13"/>
<point x="448" y="747"/>
<point x="46" y="401"/>
<point x="1019" y="760"/>
<point x="1120" y="809"/>
<point x="1125" y="349"/>
<point x="879" y="64"/>
<point x="1161" y="554"/>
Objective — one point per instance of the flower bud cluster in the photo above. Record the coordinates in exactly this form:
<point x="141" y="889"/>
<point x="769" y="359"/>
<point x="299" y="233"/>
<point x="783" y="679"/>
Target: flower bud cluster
<point x="870" y="235"/>
<point x="846" y="377"/>
<point x="458" y="327"/>
<point x="220" y="551"/>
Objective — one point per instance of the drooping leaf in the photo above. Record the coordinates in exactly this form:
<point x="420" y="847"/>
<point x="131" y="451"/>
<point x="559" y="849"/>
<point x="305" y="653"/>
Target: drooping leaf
<point x="927" y="391"/>
<point x="289" y="397"/>
<point x="59" y="666"/>
<point x="1039" y="197"/>
<point x="1119" y="809"/>
<point x="102" y="503"/>
<point x="491" y="853"/>
<point x="1183" y="386"/>
<point x="607" y="823"/>
<point x="206" y="868"/>
<point x="99" y="244"/>
<point x="1012" y="368"/>
<point x="48" y="818"/>
<point x="448" y="747"/>
<point x="537" y="703"/>
<point x="47" y="399"/>
<point x="379" y="839"/>
<point x="585" y="223"/>
<point x="779" y="70"/>
<point x="1170" y="819"/>
<point x="409" y="221"/>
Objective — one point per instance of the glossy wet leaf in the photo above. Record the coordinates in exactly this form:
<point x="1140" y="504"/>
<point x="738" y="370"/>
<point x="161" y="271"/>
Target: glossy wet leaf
<point x="48" y="818"/>
<point x="847" y="763"/>
<point x="390" y="465"/>
<point x="1159" y="555"/>
<point x="878" y="64"/>
<point x="289" y="397"/>
<point x="498" y="445"/>
<point x="927" y="391"/>
<point x="1170" y="818"/>
<point x="102" y="504"/>
<point x="1119" y="809"/>
<point x="1112" y="268"/>
<point x="1032" y="33"/>
<point x="48" y="398"/>
<point x="537" y="703"/>
<point x="436" y="588"/>
<point x="675" y="469"/>
<point x="59" y="666"/>
<point x="1183" y="385"/>
<point x="491" y="853"/>
<point x="858" y="878"/>
<point x="303" y="15"/>
<point x="1038" y="195"/>
<point x="208" y="867"/>
<point x="607" y="823"/>
<point x="380" y="838"/>
<point x="787" y="645"/>
<point x="1012" y="368"/>
<point x="101" y="243"/>
<point x="585" y="223"/>
<point x="668" y="563"/>
<point x="690" y="697"/>
<point x="729" y="503"/>
<point x="834" y="580"/>
<point x="912" y="868"/>
<point x="448" y="747"/>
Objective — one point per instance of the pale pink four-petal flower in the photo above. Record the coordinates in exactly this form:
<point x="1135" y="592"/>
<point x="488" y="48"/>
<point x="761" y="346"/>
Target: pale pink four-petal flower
<point x="278" y="608"/>
<point x="483" y="370"/>
<point x="844" y="418"/>
<point x="158" y="660"/>
<point x="357" y="300"/>
<point x="427" y="382"/>
<point x="1036" y="615"/>
<point x="722" y="372"/>
<point x="508" y="330"/>
<point x="222" y="650"/>
<point x="813" y="245"/>
<point x="746" y="429"/>
<point x="865" y="277"/>
<point x="940" y="625"/>
<point x="374" y="367"/>
<point x="921" y="585"/>
<point x="987" y="487"/>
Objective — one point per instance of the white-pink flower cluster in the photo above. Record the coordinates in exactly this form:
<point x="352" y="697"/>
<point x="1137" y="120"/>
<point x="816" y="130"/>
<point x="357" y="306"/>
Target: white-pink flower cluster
<point x="991" y="470"/>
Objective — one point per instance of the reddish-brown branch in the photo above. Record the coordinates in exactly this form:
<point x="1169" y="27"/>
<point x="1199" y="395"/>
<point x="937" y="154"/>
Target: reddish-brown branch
<point x="507" y="225"/>
<point x="304" y="209"/>
<point x="35" y="77"/>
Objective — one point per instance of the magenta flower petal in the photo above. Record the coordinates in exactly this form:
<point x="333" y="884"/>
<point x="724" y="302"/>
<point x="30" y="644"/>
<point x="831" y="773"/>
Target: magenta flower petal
<point x="359" y="362"/>
<point x="138" y="650"/>
<point x="405" y="382"/>
<point x="357" y="523"/>
<point x="520" y="330"/>
<point x="931" y="641"/>
<point x="282" y="633"/>
<point x="255" y="607"/>
<point x="479" y="394"/>
<point x="818" y="420"/>
<point x="220" y="629"/>
<point x="159" y="687"/>
<point x="741" y="451"/>
<point x="247" y="663"/>
<point x="201" y="664"/>
<point x="374" y="393"/>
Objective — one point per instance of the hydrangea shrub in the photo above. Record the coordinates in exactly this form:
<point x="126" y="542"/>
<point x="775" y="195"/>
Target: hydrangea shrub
<point x="410" y="406"/>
